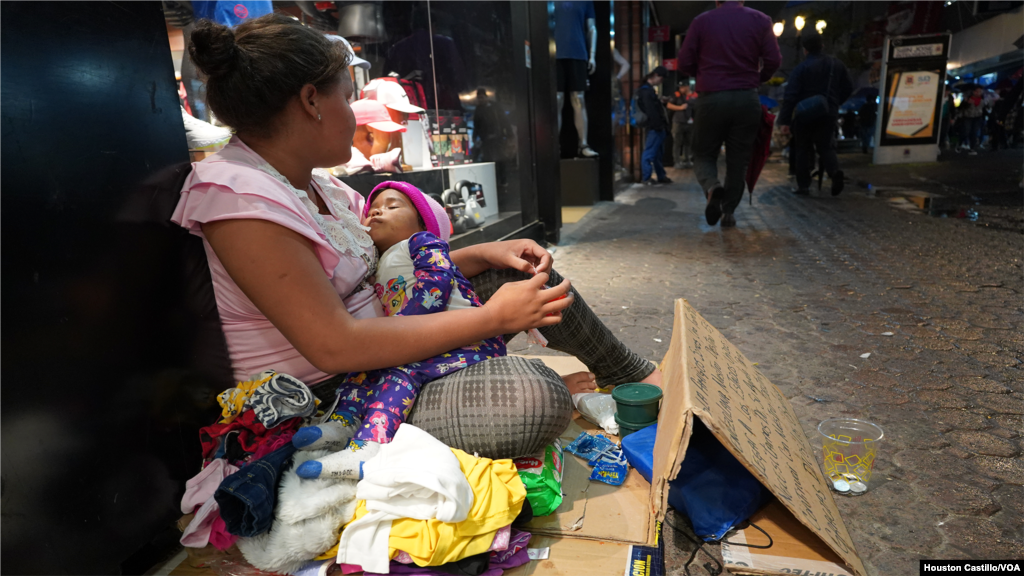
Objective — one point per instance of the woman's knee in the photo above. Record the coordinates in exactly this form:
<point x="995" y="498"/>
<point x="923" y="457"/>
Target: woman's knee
<point x="501" y="408"/>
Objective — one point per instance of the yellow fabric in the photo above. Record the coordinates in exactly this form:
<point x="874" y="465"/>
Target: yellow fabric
<point x="232" y="401"/>
<point x="498" y="496"/>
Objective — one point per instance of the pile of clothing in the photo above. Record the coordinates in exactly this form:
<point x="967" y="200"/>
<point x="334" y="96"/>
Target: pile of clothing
<point x="421" y="507"/>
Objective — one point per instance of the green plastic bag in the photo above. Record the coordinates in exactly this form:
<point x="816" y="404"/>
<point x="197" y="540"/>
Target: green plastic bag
<point x="542" y="476"/>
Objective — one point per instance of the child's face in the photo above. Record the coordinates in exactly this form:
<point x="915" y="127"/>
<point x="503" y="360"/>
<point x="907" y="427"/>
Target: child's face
<point x="392" y="219"/>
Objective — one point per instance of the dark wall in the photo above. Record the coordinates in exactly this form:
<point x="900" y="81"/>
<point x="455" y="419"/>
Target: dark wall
<point x="530" y="20"/>
<point x="111" y="346"/>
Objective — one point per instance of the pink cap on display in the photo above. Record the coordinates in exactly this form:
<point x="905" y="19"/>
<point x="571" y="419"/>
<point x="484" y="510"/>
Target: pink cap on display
<point x="433" y="214"/>
<point x="391" y="94"/>
<point x="373" y="114"/>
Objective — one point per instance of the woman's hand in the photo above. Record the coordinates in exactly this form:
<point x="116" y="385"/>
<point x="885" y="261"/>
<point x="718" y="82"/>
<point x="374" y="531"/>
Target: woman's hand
<point x="519" y="306"/>
<point x="523" y="255"/>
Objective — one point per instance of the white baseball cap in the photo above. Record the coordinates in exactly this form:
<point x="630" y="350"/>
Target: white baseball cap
<point x="391" y="94"/>
<point x="356" y="60"/>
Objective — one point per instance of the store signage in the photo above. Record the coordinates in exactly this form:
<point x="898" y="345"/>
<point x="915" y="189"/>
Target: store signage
<point x="657" y="34"/>
<point x="919" y="51"/>
<point x="670" y="64"/>
<point x="913" y="77"/>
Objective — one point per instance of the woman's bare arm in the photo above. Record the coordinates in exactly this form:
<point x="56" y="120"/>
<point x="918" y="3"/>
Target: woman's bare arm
<point x="523" y="255"/>
<point x="278" y="270"/>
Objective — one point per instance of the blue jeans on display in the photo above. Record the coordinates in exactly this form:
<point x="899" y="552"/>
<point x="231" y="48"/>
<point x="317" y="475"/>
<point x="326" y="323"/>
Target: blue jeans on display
<point x="247" y="497"/>
<point x="653" y="152"/>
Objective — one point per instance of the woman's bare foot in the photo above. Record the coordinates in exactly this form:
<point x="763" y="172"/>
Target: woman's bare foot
<point x="580" y="382"/>
<point x="653" y="378"/>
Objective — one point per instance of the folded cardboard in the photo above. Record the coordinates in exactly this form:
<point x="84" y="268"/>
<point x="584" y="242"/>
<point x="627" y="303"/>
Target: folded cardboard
<point x="707" y="377"/>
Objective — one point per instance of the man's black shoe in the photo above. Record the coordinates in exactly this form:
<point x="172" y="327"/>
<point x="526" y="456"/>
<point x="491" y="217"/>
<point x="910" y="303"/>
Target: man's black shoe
<point x="649" y="182"/>
<point x="728" y="221"/>
<point x="802" y="192"/>
<point x="713" y="211"/>
<point x="838" y="181"/>
<point x="665" y="180"/>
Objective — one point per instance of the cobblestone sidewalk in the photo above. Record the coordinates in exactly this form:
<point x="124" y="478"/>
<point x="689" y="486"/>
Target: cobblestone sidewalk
<point x="805" y="286"/>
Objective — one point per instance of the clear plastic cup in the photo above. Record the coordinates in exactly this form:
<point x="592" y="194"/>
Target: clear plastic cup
<point x="850" y="448"/>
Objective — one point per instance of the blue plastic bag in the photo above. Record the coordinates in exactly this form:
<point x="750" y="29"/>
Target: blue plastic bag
<point x="713" y="488"/>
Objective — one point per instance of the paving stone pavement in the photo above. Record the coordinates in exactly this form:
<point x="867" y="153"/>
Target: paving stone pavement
<point x="805" y="286"/>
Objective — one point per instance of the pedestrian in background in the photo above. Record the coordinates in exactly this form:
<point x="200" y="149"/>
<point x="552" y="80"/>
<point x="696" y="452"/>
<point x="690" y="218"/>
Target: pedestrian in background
<point x="816" y="88"/>
<point x="731" y="50"/>
<point x="682" y="124"/>
<point x="657" y="128"/>
<point x="972" y="113"/>
<point x="946" y="119"/>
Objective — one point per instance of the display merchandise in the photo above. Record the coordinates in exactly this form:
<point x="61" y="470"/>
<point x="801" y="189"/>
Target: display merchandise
<point x="389" y="92"/>
<point x="374" y="127"/>
<point x="575" y="47"/>
<point x="356" y="60"/>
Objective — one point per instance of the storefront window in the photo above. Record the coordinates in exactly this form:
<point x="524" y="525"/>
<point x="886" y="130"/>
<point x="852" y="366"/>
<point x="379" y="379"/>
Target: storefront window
<point x="435" y="97"/>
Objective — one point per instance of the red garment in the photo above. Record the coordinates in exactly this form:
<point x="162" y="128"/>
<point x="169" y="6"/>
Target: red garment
<point x="219" y="535"/>
<point x="251" y="433"/>
<point x="274" y="442"/>
<point x="762" y="149"/>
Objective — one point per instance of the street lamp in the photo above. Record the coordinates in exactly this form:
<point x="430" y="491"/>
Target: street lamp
<point x="820" y="26"/>
<point x="798" y="23"/>
<point x="778" y="27"/>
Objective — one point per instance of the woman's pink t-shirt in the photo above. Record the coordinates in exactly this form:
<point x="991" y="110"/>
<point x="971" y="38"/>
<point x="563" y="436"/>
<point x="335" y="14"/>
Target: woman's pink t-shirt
<point x="230" y="185"/>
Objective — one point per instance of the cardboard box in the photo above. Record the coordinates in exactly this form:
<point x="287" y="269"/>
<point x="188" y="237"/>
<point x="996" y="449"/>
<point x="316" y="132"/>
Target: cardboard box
<point x="706" y="377"/>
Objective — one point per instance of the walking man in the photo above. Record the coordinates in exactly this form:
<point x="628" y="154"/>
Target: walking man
<point x="731" y="50"/>
<point x="682" y="125"/>
<point x="816" y="88"/>
<point x="657" y="127"/>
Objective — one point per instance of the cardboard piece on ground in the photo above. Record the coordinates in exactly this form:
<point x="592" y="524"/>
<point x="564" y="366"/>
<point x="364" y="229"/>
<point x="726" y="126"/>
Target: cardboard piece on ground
<point x="572" y="557"/>
<point x="795" y="550"/>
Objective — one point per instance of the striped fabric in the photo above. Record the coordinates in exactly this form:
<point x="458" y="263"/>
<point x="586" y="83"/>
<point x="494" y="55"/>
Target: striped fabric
<point x="281" y="398"/>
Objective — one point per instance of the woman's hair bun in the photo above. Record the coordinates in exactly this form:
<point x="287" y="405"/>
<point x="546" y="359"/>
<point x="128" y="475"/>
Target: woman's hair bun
<point x="213" y="49"/>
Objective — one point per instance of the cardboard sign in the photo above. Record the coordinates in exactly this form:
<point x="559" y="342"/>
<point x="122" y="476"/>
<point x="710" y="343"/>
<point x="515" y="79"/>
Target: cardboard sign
<point x="708" y="377"/>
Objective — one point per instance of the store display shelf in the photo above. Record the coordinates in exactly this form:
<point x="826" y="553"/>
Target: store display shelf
<point x="494" y="228"/>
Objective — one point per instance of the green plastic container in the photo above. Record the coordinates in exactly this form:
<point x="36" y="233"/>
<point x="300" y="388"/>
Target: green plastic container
<point x="627" y="428"/>
<point x="637" y="403"/>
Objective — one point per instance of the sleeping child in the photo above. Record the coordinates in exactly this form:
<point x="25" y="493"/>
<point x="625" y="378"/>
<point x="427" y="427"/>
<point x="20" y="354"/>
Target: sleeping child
<point x="415" y="275"/>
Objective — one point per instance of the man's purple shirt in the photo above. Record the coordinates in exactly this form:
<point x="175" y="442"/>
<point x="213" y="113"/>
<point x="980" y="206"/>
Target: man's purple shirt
<point x="730" y="48"/>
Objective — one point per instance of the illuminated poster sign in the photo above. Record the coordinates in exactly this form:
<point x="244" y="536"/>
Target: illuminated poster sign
<point x="911" y="104"/>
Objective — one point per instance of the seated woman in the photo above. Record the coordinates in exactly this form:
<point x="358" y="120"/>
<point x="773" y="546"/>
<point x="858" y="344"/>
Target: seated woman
<point x="292" y="265"/>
